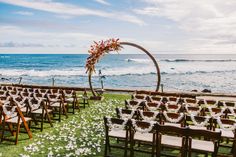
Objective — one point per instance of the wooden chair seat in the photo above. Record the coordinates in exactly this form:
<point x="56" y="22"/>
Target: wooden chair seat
<point x="24" y="109"/>
<point x="171" y="141"/>
<point x="226" y="133"/>
<point x="14" y="120"/>
<point x="69" y="100"/>
<point x="207" y="146"/>
<point x="40" y="111"/>
<point x="54" y="100"/>
<point x="172" y="124"/>
<point x="146" y="137"/>
<point x="197" y="127"/>
<point x="117" y="133"/>
<point x="56" y="104"/>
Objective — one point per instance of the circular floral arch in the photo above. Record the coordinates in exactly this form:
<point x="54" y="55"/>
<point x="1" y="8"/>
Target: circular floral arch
<point x="100" y="48"/>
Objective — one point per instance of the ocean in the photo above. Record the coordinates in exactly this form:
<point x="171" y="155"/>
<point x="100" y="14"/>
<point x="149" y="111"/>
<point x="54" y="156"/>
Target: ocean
<point x="179" y="72"/>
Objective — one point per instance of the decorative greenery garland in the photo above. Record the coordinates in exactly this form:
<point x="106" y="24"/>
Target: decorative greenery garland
<point x="124" y="116"/>
<point x="173" y="120"/>
<point x="146" y="118"/>
<point x="151" y="108"/>
<point x="7" y="112"/>
<point x="134" y="107"/>
<point x="224" y="127"/>
<point x="201" y="124"/>
<point x="34" y="105"/>
<point x="215" y="115"/>
<point x="116" y="127"/>
<point x="21" y="103"/>
<point x="192" y="111"/>
<point x="141" y="130"/>
<point x="172" y="109"/>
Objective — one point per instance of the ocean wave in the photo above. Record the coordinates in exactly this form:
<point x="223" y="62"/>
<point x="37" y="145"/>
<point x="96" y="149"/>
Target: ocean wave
<point x="199" y="60"/>
<point x="108" y="72"/>
<point x="138" y="60"/>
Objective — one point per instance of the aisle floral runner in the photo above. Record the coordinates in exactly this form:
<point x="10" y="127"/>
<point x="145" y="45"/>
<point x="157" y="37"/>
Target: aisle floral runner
<point x="83" y="135"/>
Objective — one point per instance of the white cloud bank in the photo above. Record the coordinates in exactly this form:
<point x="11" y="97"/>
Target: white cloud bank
<point x="72" y="10"/>
<point x="210" y="24"/>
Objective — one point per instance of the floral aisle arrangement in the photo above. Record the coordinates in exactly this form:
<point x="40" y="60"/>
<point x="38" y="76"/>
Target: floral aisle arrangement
<point x="83" y="135"/>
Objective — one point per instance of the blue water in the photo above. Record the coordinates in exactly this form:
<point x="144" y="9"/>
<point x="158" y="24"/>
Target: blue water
<point x="129" y="71"/>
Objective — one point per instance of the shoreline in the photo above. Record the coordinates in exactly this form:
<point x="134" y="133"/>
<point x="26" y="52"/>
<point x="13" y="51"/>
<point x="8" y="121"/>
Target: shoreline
<point x="128" y="91"/>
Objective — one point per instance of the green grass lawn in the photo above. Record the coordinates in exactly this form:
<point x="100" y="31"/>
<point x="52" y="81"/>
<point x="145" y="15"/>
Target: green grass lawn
<point x="82" y="134"/>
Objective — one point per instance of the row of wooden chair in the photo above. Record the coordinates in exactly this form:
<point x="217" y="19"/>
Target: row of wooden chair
<point x="27" y="105"/>
<point x="229" y="112"/>
<point x="158" y="136"/>
<point x="179" y="99"/>
<point x="226" y="126"/>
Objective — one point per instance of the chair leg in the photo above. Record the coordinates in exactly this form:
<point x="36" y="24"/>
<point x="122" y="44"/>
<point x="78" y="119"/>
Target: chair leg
<point x="42" y="121"/>
<point x="64" y="110"/>
<point x="3" y="130"/>
<point x="105" y="153"/>
<point x="73" y="105"/>
<point x="60" y="112"/>
<point x="49" y="119"/>
<point x="17" y="132"/>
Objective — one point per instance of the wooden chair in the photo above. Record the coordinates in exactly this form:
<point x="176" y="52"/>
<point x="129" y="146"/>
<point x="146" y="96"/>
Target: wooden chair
<point x="171" y="137"/>
<point x="215" y="111"/>
<point x="134" y="104"/>
<point x="196" y="110"/>
<point x="141" y="95"/>
<point x="55" y="91"/>
<point x="206" y="103"/>
<point x="172" y="119"/>
<point x="19" y="89"/>
<point x="56" y="103"/>
<point x="3" y="94"/>
<point x="208" y="142"/>
<point x="12" y="116"/>
<point x="153" y="106"/>
<point x="118" y="129"/>
<point x="70" y="97"/>
<point x="228" y="131"/>
<point x="172" y="100"/>
<point x="85" y="99"/>
<point x="143" y="132"/>
<point x="13" y="93"/>
<point x="172" y="107"/>
<point x="40" y="97"/>
<point x="199" y="122"/>
<point x="156" y="99"/>
<point x="5" y="99"/>
<point x="126" y="113"/>
<point x="39" y="112"/>
<point x="191" y="102"/>
<point x="44" y="91"/>
<point x="26" y="95"/>
<point x="148" y="115"/>
<point x="22" y="104"/>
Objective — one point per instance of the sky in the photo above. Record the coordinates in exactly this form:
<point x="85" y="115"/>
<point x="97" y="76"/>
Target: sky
<point x="160" y="26"/>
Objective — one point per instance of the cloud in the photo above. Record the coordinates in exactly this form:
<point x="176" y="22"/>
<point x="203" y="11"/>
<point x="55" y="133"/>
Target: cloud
<point x="208" y="24"/>
<point x="102" y="2"/>
<point x="25" y="13"/>
<point x="14" y="44"/>
<point x="72" y="10"/>
<point x="14" y="39"/>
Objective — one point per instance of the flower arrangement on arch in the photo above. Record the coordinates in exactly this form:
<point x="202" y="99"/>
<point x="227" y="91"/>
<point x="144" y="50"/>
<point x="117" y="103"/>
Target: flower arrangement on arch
<point x="98" y="50"/>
